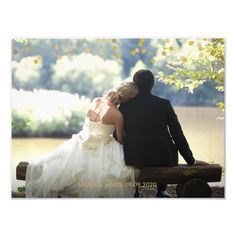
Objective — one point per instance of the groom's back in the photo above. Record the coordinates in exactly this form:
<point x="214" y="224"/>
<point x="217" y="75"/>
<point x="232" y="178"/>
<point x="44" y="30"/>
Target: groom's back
<point x="147" y="140"/>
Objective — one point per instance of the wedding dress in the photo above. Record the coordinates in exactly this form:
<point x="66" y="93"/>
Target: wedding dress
<point x="90" y="164"/>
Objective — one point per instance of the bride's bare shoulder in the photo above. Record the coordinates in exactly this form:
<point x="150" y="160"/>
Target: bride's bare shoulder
<point x="115" y="112"/>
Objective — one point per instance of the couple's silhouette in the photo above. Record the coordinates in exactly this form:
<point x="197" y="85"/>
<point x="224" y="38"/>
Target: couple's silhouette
<point x="101" y="160"/>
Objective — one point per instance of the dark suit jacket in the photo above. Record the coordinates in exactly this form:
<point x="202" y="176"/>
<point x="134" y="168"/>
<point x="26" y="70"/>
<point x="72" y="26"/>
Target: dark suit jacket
<point x="153" y="135"/>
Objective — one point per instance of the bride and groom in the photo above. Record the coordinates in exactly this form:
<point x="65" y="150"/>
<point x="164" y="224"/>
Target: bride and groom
<point x="125" y="129"/>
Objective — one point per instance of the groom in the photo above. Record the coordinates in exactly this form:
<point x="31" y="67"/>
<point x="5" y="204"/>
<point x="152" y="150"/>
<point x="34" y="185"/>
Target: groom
<point x="153" y="135"/>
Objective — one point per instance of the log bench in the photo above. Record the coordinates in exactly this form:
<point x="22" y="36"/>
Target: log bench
<point x="192" y="181"/>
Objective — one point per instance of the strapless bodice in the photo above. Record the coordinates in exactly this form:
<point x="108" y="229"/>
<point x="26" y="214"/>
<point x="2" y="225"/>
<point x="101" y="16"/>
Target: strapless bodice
<point x="94" y="133"/>
<point x="98" y="128"/>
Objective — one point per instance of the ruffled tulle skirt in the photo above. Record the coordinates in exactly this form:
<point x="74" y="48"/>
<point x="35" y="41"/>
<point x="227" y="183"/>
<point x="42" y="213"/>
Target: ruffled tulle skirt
<point x="83" y="169"/>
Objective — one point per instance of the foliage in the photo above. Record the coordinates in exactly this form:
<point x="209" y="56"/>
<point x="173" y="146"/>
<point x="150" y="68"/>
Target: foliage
<point x="21" y="189"/>
<point x="44" y="113"/>
<point x="193" y="63"/>
<point x="90" y="66"/>
<point x="85" y="74"/>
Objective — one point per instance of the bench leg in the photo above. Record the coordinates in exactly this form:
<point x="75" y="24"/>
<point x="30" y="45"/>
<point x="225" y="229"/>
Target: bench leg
<point x="194" y="188"/>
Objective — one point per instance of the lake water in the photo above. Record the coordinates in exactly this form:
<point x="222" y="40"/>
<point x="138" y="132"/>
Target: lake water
<point x="204" y="132"/>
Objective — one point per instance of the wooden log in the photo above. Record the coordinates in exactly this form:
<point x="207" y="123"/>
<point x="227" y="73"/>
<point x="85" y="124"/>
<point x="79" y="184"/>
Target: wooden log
<point x="162" y="175"/>
<point x="180" y="174"/>
<point x="194" y="188"/>
<point x="21" y="170"/>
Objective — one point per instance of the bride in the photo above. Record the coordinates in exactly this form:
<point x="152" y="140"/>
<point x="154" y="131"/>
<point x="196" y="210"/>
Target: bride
<point x="91" y="163"/>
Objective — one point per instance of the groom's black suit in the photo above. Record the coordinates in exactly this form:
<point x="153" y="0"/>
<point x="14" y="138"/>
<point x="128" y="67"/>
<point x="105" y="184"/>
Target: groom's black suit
<point x="153" y="135"/>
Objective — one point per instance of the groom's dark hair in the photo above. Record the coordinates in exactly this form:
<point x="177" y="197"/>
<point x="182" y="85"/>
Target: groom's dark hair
<point x="144" y="79"/>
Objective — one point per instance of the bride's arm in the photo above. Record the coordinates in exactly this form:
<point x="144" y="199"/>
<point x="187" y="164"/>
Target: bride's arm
<point x="119" y="125"/>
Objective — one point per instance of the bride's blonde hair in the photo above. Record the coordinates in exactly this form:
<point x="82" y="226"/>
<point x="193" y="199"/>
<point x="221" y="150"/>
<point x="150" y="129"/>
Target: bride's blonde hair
<point x="123" y="93"/>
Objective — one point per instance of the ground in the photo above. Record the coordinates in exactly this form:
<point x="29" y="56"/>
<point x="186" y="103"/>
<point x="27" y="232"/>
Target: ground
<point x="217" y="192"/>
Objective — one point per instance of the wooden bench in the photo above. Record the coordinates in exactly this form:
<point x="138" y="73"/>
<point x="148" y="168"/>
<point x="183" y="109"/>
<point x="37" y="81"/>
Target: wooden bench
<point x="192" y="181"/>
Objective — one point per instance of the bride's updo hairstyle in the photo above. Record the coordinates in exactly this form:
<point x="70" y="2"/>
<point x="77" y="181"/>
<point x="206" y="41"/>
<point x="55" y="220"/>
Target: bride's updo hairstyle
<point x="113" y="96"/>
<point x="127" y="90"/>
<point x="123" y="93"/>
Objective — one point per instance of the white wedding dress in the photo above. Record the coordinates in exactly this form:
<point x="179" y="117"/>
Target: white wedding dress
<point x="90" y="164"/>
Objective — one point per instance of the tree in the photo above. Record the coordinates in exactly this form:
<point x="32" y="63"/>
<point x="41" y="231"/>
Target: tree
<point x="193" y="63"/>
<point x="86" y="74"/>
<point x="197" y="65"/>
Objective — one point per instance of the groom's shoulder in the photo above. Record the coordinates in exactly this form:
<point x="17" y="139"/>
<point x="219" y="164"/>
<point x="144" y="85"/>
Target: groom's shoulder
<point x="160" y="99"/>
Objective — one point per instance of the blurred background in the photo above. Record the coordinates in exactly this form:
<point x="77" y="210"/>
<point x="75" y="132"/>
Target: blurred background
<point x="54" y="80"/>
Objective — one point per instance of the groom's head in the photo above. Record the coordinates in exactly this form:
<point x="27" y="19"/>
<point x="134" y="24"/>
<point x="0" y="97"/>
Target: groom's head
<point x="144" y="79"/>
